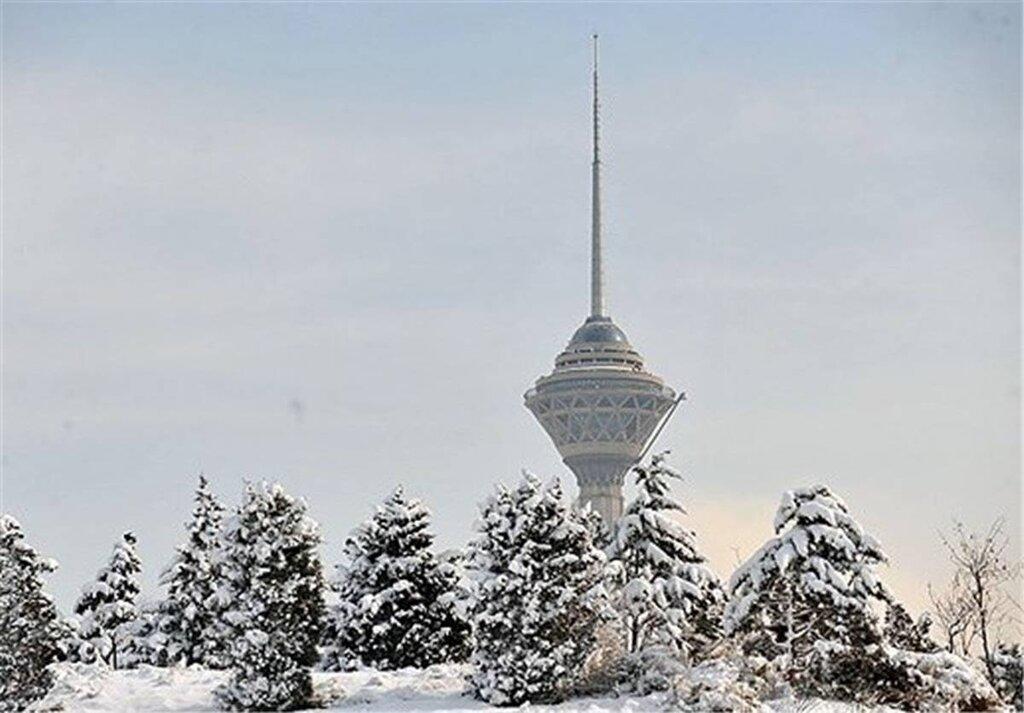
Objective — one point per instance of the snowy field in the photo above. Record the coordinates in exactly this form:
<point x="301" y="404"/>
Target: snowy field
<point x="439" y="688"/>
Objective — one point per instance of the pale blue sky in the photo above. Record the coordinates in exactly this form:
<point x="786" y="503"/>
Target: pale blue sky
<point x="333" y="244"/>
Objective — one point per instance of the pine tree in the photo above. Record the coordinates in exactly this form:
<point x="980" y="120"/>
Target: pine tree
<point x="189" y="615"/>
<point x="667" y="595"/>
<point x="811" y="583"/>
<point x="1008" y="674"/>
<point x="904" y="633"/>
<point x="107" y="606"/>
<point x="146" y="642"/>
<point x="397" y="601"/>
<point x="600" y="531"/>
<point x="273" y="588"/>
<point x="30" y="629"/>
<point x="74" y="648"/>
<point x="538" y="597"/>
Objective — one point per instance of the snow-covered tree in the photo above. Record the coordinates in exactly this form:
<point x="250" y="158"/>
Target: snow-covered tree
<point x="880" y="676"/>
<point x="397" y="601"/>
<point x="74" y="648"/>
<point x="600" y="531"/>
<point x="30" y="629"/>
<point x="1008" y="674"/>
<point x="189" y="614"/>
<point x="667" y="596"/>
<point x="273" y="589"/>
<point x="538" y="595"/>
<point x="813" y="583"/>
<point x="107" y="606"/>
<point x="904" y="633"/>
<point x="146" y="642"/>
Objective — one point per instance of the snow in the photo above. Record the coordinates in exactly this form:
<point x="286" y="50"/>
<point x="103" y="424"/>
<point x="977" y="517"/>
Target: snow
<point x="950" y="677"/>
<point x="398" y="603"/>
<point x="820" y="544"/>
<point x="84" y="687"/>
<point x="107" y="607"/>
<point x="272" y="619"/>
<point x="664" y="592"/>
<point x="95" y="687"/>
<point x="813" y="510"/>
<point x="537" y="598"/>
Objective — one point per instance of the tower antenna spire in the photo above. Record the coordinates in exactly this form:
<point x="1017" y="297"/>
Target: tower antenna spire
<point x="596" y="262"/>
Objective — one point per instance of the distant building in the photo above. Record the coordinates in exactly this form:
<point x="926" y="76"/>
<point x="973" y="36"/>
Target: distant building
<point x="599" y="405"/>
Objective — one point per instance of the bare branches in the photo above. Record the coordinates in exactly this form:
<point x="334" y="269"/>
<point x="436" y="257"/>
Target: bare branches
<point x="954" y="616"/>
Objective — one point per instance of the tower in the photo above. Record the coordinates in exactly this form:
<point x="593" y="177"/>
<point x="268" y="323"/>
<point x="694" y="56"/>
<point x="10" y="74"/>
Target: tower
<point x="599" y="405"/>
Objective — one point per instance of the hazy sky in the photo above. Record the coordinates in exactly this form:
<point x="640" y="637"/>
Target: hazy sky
<point x="334" y="244"/>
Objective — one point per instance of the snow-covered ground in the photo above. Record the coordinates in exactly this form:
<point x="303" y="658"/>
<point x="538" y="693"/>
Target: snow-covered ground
<point x="82" y="687"/>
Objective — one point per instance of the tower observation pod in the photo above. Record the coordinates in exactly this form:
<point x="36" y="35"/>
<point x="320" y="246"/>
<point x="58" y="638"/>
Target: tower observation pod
<point x="599" y="405"/>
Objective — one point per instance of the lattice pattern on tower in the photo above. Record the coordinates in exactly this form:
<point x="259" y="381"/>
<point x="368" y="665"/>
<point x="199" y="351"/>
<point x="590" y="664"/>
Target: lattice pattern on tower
<point x="575" y="417"/>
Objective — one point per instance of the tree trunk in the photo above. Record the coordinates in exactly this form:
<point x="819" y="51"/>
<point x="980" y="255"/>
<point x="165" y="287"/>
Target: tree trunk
<point x="983" y="624"/>
<point x="789" y="620"/>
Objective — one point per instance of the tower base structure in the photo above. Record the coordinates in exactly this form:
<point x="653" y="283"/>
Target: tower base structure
<point x="600" y="478"/>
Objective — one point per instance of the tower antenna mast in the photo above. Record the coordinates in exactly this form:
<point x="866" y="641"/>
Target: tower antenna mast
<point x="596" y="262"/>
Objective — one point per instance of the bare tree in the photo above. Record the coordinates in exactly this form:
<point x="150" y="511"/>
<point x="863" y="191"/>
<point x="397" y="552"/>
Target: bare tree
<point x="982" y="573"/>
<point x="954" y="616"/>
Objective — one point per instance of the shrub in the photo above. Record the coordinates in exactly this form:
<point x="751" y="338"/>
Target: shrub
<point x="884" y="676"/>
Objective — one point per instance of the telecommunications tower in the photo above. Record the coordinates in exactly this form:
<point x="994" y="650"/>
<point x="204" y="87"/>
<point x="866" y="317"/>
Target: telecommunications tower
<point x="599" y="405"/>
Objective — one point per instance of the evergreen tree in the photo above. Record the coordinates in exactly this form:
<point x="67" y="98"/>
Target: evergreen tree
<point x="273" y="589"/>
<point x="397" y="600"/>
<point x="1008" y="674"/>
<point x="538" y="597"/>
<point x="904" y="633"/>
<point x="74" y="648"/>
<point x="600" y="531"/>
<point x="813" y="582"/>
<point x="667" y="595"/>
<point x="107" y="607"/>
<point x="146" y="641"/>
<point x="30" y="629"/>
<point x="189" y="615"/>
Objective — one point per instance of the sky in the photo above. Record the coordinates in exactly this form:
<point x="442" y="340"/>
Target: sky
<point x="333" y="244"/>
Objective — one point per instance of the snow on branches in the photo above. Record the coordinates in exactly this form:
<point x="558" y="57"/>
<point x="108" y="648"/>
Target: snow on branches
<point x="189" y="613"/>
<point x="812" y="582"/>
<point x="272" y="597"/>
<point x="538" y="595"/>
<point x="30" y="629"/>
<point x="667" y="595"/>
<point x="398" y="601"/>
<point x="107" y="607"/>
<point x="904" y="633"/>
